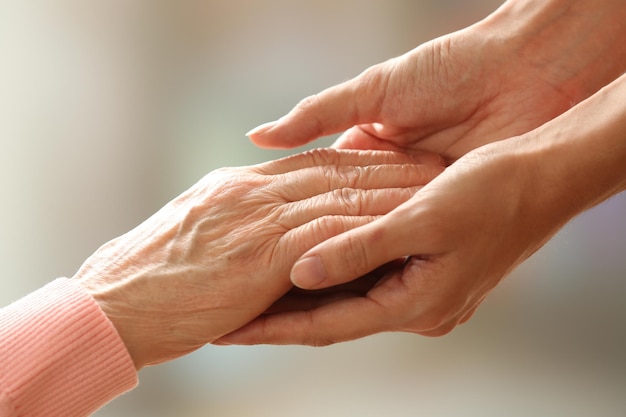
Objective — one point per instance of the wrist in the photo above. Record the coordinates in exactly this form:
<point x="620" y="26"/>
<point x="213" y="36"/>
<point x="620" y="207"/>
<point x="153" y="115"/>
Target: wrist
<point x="107" y="305"/>
<point x="60" y="355"/>
<point x="575" y="45"/>
<point x="566" y="166"/>
<point x="577" y="159"/>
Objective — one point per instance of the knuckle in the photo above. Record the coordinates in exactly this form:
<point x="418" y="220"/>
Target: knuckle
<point x="351" y="200"/>
<point x="373" y="83"/>
<point x="344" y="176"/>
<point x="311" y="106"/>
<point x="319" y="228"/>
<point x="321" y="156"/>
<point x="373" y="78"/>
<point x="309" y="103"/>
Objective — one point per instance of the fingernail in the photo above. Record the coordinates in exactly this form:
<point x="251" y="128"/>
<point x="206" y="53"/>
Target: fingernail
<point x="308" y="272"/>
<point x="259" y="130"/>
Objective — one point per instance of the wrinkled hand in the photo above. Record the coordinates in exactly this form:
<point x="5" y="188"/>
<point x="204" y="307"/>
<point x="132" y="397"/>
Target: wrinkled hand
<point x="220" y="254"/>
<point x="460" y="234"/>
<point x="456" y="95"/>
<point x="460" y="247"/>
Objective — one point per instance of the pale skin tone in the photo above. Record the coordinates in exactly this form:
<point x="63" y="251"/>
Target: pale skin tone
<point x="218" y="255"/>
<point x="516" y="105"/>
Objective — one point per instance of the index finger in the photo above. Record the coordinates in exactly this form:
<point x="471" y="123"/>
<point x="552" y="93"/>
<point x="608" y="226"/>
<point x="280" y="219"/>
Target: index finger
<point x="330" y="111"/>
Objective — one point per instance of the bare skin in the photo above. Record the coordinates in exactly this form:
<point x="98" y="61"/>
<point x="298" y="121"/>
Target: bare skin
<point x="520" y="67"/>
<point x="516" y="104"/>
<point x="219" y="254"/>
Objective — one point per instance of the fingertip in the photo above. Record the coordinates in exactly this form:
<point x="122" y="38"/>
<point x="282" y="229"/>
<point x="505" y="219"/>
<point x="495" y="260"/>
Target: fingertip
<point x="262" y="136"/>
<point x="309" y="273"/>
<point x="280" y="134"/>
<point x="261" y="129"/>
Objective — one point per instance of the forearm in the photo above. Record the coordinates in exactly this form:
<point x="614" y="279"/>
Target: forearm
<point x="578" y="159"/>
<point x="575" y="45"/>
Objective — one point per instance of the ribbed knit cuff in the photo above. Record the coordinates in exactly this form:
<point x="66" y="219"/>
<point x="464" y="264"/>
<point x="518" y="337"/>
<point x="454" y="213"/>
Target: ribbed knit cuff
<point x="60" y="355"/>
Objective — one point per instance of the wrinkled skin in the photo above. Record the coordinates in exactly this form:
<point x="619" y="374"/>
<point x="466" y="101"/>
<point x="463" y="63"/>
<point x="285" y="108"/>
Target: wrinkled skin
<point x="480" y="97"/>
<point x="220" y="254"/>
<point x="442" y="282"/>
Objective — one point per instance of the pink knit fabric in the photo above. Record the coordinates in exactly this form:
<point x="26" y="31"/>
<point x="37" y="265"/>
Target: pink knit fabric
<point x="60" y="355"/>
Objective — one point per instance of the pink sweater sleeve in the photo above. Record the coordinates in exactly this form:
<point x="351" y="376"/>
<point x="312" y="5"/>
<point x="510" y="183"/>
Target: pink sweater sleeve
<point x="60" y="355"/>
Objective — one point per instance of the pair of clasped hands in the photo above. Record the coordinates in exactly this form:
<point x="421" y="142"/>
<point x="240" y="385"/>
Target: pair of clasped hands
<point x="455" y="165"/>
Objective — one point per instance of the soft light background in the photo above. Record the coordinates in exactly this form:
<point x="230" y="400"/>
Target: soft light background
<point x="109" y="108"/>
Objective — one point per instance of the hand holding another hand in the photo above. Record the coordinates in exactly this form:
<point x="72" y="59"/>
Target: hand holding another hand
<point x="458" y="247"/>
<point x="495" y="99"/>
<point x="220" y="254"/>
<point x="462" y="233"/>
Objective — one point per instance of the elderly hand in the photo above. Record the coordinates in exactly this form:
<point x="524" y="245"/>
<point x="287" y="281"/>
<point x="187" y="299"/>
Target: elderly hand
<point x="506" y="75"/>
<point x="463" y="233"/>
<point x="460" y="247"/>
<point x="519" y="68"/>
<point x="220" y="254"/>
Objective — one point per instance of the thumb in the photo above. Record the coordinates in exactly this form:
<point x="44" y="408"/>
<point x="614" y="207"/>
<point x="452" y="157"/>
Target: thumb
<point x="330" y="111"/>
<point x="349" y="255"/>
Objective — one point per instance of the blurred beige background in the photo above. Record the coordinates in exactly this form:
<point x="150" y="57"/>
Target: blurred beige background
<point x="108" y="109"/>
